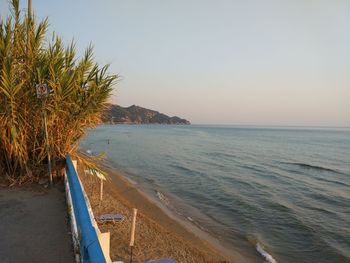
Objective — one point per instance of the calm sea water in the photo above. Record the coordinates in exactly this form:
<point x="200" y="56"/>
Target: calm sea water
<point x="272" y="194"/>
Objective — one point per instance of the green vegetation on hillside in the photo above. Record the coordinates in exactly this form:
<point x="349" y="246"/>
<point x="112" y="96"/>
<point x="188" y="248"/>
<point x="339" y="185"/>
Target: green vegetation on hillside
<point x="78" y="92"/>
<point x="138" y="115"/>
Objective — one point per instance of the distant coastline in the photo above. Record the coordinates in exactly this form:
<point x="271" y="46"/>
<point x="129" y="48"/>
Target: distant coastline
<point x="115" y="114"/>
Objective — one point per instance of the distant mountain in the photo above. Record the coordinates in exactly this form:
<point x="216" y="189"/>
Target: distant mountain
<point x="138" y="115"/>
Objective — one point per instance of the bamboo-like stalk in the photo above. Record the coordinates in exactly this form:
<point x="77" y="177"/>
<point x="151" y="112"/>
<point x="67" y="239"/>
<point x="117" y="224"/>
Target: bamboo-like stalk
<point x="29" y="8"/>
<point x="79" y="91"/>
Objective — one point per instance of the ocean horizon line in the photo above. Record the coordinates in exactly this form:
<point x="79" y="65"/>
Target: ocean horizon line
<point x="247" y="125"/>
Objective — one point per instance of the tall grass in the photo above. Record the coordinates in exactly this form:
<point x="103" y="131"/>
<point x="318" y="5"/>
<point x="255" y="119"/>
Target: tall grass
<point x="79" y="90"/>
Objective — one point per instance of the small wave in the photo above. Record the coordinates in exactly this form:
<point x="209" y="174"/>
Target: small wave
<point x="319" y="209"/>
<point x="149" y="180"/>
<point x="190" y="218"/>
<point x="223" y="155"/>
<point x="314" y="167"/>
<point x="334" y="182"/>
<point x="183" y="169"/>
<point x="178" y="210"/>
<point x="268" y="258"/>
<point x="162" y="198"/>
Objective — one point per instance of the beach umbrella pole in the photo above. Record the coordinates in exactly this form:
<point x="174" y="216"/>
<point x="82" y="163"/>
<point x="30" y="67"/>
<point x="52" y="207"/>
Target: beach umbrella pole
<point x="101" y="189"/>
<point x="131" y="254"/>
<point x="132" y="234"/>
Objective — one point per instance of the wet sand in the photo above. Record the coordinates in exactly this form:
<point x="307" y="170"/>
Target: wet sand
<point x="158" y="233"/>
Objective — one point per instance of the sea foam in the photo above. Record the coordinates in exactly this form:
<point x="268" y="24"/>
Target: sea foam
<point x="162" y="198"/>
<point x="268" y="258"/>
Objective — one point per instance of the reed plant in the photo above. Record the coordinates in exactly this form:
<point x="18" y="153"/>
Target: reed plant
<point x="78" y="93"/>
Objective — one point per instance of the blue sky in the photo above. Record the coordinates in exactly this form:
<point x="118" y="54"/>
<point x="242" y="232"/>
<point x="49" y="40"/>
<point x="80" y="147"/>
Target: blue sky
<point x="228" y="62"/>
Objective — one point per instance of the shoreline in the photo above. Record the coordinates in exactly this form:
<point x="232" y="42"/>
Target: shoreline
<point x="138" y="195"/>
<point x="191" y="238"/>
<point x="193" y="230"/>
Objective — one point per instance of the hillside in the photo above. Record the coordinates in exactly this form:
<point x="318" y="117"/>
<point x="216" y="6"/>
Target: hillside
<point x="138" y="115"/>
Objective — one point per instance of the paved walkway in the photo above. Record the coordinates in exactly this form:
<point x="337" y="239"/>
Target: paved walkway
<point x="34" y="226"/>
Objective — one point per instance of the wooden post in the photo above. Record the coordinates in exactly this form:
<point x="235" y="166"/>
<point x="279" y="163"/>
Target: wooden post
<point x="132" y="234"/>
<point x="48" y="147"/>
<point x="101" y="189"/>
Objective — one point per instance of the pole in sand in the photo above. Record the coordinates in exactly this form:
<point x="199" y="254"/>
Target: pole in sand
<point x="101" y="189"/>
<point x="132" y="234"/>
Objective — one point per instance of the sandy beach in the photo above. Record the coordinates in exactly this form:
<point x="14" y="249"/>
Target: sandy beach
<point x="158" y="234"/>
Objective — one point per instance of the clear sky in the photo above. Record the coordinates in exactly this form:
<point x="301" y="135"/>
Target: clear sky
<point x="271" y="62"/>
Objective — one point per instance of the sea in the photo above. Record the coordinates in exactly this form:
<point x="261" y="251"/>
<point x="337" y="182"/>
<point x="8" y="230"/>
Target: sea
<point x="270" y="194"/>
